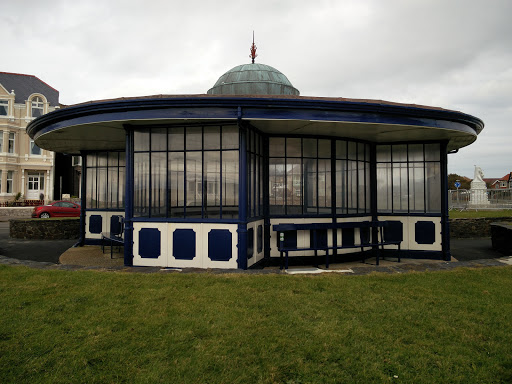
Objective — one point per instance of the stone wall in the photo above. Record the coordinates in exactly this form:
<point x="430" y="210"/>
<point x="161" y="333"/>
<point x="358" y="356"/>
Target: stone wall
<point x="473" y="228"/>
<point x="16" y="211"/>
<point x="45" y="229"/>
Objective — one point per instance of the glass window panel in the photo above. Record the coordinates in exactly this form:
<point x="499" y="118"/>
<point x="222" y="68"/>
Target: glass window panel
<point x="194" y="169"/>
<point x="113" y="159"/>
<point x="341" y="149"/>
<point x="176" y="176"/>
<point x="121" y="187"/>
<point x="212" y="184"/>
<point x="352" y="150"/>
<point x="309" y="147"/>
<point x="324" y="186"/>
<point x="324" y="149"/>
<point x="102" y="159"/>
<point x="352" y="187"/>
<point x="383" y="153"/>
<point x="310" y="185"/>
<point x="416" y="187"/>
<point x="91" y="198"/>
<point x="400" y="194"/>
<point x="141" y="140"/>
<point x="433" y="187"/>
<point x="211" y="137"/>
<point x="122" y="159"/>
<point x="399" y="152"/>
<point x="91" y="160"/>
<point x="293" y="147"/>
<point x="293" y="186"/>
<point x="102" y="188"/>
<point x="276" y="147"/>
<point x="159" y="139"/>
<point x="230" y="137"/>
<point x="112" y="188"/>
<point x="176" y="139"/>
<point x="276" y="185"/>
<point x="141" y="185"/>
<point x="341" y="186"/>
<point x="361" y="153"/>
<point x="158" y="183"/>
<point x="230" y="178"/>
<point x="367" y="187"/>
<point x="361" y="191"/>
<point x="34" y="149"/>
<point x="415" y="152"/>
<point x="194" y="138"/>
<point x="432" y="152"/>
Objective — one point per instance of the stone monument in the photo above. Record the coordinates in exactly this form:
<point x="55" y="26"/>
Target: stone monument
<point x="478" y="189"/>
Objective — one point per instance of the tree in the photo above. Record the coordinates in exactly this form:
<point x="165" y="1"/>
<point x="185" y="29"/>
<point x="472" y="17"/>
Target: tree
<point x="465" y="183"/>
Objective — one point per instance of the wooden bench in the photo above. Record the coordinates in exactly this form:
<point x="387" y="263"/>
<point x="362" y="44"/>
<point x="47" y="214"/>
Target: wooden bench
<point x="115" y="236"/>
<point x="319" y="241"/>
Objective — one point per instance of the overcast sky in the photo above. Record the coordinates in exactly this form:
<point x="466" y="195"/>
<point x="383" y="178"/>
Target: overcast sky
<point x="451" y="54"/>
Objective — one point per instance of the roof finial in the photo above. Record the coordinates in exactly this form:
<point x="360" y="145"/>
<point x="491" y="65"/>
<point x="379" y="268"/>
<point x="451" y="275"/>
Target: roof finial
<point x="253" y="49"/>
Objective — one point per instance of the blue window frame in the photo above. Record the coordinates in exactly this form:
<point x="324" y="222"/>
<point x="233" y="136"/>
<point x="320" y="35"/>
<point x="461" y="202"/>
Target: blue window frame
<point x="186" y="171"/>
<point x="105" y="180"/>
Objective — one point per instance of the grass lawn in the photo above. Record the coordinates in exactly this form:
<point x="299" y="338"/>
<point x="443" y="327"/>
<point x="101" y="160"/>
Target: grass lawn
<point x="105" y="327"/>
<point x="454" y="214"/>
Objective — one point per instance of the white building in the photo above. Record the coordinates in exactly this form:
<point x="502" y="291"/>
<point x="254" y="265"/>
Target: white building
<point x="26" y="171"/>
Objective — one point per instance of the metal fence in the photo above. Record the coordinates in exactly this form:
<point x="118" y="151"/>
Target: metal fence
<point x="486" y="199"/>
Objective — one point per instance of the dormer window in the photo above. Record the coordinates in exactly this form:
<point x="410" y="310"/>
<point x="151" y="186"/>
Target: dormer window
<point x="4" y="107"/>
<point x="37" y="107"/>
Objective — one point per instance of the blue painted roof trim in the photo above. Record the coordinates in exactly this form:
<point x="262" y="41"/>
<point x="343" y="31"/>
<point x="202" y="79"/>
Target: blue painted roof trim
<point x="226" y="108"/>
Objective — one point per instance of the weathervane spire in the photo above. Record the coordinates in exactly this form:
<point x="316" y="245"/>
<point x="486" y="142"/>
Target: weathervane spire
<point x="253" y="49"/>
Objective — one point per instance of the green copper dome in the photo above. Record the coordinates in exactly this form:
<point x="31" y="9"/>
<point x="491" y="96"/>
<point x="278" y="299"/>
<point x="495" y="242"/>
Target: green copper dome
<point x="253" y="79"/>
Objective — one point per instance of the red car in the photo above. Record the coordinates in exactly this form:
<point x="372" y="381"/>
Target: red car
<point x="57" y="209"/>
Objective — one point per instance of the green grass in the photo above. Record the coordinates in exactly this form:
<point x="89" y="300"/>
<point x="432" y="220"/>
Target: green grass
<point x="454" y="214"/>
<point x="105" y="327"/>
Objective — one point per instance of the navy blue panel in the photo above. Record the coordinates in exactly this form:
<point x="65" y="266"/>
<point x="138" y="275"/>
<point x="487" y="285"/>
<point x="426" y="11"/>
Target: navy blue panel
<point x="290" y="239"/>
<point x="95" y="224"/>
<point x="250" y="243"/>
<point x="394" y="231"/>
<point x="184" y="244"/>
<point x="116" y="224"/>
<point x="347" y="237"/>
<point x="220" y="244"/>
<point x="425" y="232"/>
<point x="321" y="238"/>
<point x="259" y="239"/>
<point x="149" y="243"/>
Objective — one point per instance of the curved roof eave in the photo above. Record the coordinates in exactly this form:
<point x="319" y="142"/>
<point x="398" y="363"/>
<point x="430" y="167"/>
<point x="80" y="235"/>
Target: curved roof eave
<point x="268" y="113"/>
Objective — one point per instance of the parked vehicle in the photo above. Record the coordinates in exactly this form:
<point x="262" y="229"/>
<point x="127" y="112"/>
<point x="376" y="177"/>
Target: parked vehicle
<point x="57" y="209"/>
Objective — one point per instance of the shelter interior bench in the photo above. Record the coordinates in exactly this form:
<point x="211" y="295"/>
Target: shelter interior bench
<point x="371" y="234"/>
<point x="115" y="236"/>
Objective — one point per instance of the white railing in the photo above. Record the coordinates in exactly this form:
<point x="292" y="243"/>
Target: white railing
<point x="493" y="199"/>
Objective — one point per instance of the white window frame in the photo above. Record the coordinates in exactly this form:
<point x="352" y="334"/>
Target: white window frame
<point x="37" y="102"/>
<point x="1" y="141"/>
<point x="10" y="177"/>
<point x="11" y="143"/>
<point x="32" y="145"/>
<point x="5" y="102"/>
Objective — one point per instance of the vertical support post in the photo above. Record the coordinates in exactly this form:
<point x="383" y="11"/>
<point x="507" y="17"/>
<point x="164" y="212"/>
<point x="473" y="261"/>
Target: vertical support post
<point x="445" y="223"/>
<point x="83" y="199"/>
<point x="373" y="198"/>
<point x="128" y="209"/>
<point x="242" y="195"/>
<point x="333" y="197"/>
<point x="266" y="198"/>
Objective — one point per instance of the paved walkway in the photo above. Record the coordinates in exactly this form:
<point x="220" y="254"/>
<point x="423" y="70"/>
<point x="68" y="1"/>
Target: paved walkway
<point x="354" y="268"/>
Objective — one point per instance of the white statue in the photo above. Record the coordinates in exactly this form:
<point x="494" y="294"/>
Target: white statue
<point x="478" y="189"/>
<point x="479" y="174"/>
